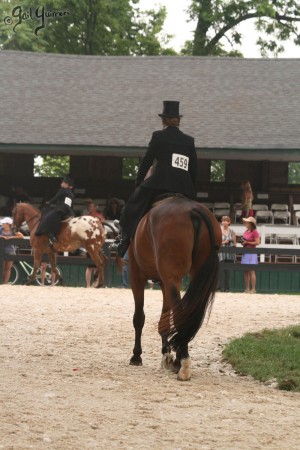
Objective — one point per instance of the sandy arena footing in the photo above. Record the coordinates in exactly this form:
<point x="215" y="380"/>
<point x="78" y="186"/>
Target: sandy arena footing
<point x="66" y="383"/>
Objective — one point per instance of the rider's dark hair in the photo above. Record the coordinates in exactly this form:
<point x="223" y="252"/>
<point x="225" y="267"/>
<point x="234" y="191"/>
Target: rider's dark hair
<point x="171" y="121"/>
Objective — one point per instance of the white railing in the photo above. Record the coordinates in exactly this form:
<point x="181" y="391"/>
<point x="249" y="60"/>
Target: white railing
<point x="269" y="232"/>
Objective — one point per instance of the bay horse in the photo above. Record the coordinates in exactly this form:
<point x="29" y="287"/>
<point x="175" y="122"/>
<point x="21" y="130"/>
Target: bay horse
<point x="176" y="237"/>
<point x="76" y="232"/>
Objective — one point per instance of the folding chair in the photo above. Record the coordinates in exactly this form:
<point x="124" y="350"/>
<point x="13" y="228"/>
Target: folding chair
<point x="221" y="209"/>
<point x="264" y="217"/>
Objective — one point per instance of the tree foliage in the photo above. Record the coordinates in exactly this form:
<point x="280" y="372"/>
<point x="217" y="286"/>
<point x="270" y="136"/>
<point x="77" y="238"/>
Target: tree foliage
<point x="217" y="171"/>
<point x="90" y="27"/>
<point x="218" y="20"/>
<point x="130" y="168"/>
<point x="294" y="173"/>
<point x="51" y="166"/>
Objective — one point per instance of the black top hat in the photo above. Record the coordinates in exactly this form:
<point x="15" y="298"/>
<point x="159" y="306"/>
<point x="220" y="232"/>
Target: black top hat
<point x="68" y="180"/>
<point x="171" y="109"/>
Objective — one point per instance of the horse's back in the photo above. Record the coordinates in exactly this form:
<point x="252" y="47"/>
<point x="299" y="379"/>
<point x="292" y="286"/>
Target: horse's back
<point x="172" y="234"/>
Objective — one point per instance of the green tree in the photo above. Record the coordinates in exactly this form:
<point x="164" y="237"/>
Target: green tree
<point x="90" y="27"/>
<point x="217" y="21"/>
<point x="217" y="171"/>
<point x="51" y="166"/>
<point x="294" y="173"/>
<point x="130" y="168"/>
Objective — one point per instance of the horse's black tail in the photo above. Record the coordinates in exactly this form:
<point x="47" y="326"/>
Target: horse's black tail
<point x="188" y="315"/>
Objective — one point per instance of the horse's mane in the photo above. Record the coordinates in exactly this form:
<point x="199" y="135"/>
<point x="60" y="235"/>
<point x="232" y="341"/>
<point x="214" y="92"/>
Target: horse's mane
<point x="36" y="210"/>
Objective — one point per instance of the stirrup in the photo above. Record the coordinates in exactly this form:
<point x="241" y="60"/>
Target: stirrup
<point x="52" y="239"/>
<point x="117" y="225"/>
<point x="115" y="243"/>
<point x="123" y="247"/>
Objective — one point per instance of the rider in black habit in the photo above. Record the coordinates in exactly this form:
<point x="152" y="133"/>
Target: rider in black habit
<point x="60" y="209"/>
<point x="175" y="172"/>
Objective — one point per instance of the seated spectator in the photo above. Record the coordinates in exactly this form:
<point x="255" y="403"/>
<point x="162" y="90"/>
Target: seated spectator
<point x="113" y="209"/>
<point x="87" y="201"/>
<point x="92" y="211"/>
<point x="7" y="233"/>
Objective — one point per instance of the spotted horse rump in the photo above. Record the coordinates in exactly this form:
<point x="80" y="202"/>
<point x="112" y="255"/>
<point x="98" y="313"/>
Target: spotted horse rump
<point x="78" y="232"/>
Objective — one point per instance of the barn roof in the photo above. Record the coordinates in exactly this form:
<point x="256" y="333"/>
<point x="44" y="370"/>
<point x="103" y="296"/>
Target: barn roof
<point x="111" y="102"/>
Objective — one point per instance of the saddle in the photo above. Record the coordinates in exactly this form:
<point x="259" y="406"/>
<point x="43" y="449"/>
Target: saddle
<point x="166" y="196"/>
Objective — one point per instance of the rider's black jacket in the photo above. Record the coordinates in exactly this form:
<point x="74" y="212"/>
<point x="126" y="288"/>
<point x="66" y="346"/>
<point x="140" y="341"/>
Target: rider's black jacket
<point x="63" y="201"/>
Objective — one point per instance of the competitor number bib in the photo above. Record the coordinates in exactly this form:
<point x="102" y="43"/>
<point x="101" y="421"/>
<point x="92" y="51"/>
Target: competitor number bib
<point x="180" y="161"/>
<point x="68" y="201"/>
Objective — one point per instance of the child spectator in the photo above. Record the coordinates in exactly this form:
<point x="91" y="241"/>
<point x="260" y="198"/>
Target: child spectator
<point x="7" y="233"/>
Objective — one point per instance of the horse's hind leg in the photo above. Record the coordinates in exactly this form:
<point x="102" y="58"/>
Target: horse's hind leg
<point x="137" y="285"/>
<point x="99" y="259"/>
<point x="138" y="323"/>
<point x="167" y="361"/>
<point x="52" y="259"/>
<point x="182" y="363"/>
<point x="37" y="257"/>
<point x="170" y="297"/>
<point x="167" y="358"/>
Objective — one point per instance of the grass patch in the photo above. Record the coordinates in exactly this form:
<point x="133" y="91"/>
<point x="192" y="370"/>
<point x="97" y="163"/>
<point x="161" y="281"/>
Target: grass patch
<point x="268" y="355"/>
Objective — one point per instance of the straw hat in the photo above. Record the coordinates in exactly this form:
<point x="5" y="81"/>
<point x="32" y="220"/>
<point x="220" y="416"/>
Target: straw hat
<point x="251" y="220"/>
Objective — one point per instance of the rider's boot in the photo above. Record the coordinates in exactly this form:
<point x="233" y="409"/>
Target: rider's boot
<point x="123" y="246"/>
<point x="52" y="239"/>
<point x="121" y="243"/>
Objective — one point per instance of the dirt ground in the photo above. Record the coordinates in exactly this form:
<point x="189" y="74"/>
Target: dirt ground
<point x="65" y="381"/>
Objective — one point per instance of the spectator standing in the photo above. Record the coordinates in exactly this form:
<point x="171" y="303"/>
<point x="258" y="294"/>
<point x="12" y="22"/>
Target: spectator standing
<point x="250" y="239"/>
<point x="228" y="240"/>
<point x="125" y="271"/>
<point x="247" y="199"/>
<point x="7" y="233"/>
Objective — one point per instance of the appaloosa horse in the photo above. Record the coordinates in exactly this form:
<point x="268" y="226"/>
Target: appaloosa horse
<point x="84" y="231"/>
<point x="176" y="237"/>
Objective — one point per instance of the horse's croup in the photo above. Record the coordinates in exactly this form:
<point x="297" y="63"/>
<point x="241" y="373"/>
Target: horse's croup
<point x="86" y="229"/>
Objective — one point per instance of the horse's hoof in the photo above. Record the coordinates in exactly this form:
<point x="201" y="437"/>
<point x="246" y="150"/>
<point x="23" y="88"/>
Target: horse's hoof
<point x="29" y="282"/>
<point x="97" y="285"/>
<point x="176" y="366"/>
<point x="185" y="372"/>
<point x="136" y="361"/>
<point x="167" y="361"/>
<point x="183" y="377"/>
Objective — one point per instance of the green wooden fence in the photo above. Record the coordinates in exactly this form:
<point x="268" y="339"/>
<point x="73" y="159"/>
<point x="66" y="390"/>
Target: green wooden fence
<point x="271" y="277"/>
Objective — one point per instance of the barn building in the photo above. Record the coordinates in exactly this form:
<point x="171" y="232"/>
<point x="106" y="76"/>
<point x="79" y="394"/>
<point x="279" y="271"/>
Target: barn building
<point x="99" y="110"/>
